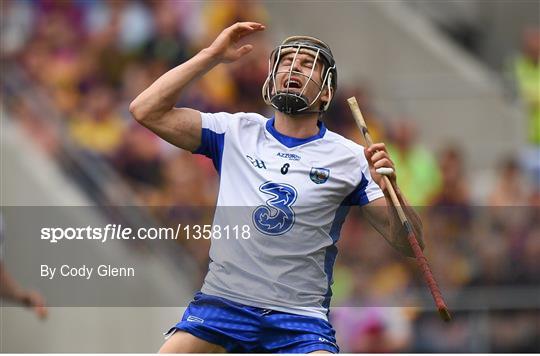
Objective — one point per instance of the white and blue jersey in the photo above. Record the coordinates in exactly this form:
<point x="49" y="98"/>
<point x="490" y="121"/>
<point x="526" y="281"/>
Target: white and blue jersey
<point x="294" y="195"/>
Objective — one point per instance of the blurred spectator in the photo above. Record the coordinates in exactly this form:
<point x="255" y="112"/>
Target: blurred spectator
<point x="41" y="132"/>
<point x="453" y="190"/>
<point x="527" y="258"/>
<point x="527" y="74"/>
<point x="167" y="43"/>
<point x="339" y="118"/>
<point x="218" y="14"/>
<point x="510" y="188"/>
<point x="452" y="200"/>
<point x="248" y="74"/>
<point x="434" y="336"/>
<point x="492" y="266"/>
<point x="128" y="23"/>
<point x="17" y="18"/>
<point x="51" y="12"/>
<point x="515" y="331"/>
<point x="527" y="71"/>
<point x="98" y="127"/>
<point x="418" y="175"/>
<point x="136" y="77"/>
<point x="140" y="159"/>
<point x="373" y="329"/>
<point x="186" y="184"/>
<point x="190" y="24"/>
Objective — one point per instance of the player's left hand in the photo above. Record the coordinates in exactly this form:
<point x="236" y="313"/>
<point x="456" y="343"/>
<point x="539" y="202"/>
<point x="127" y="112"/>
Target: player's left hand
<point x="377" y="157"/>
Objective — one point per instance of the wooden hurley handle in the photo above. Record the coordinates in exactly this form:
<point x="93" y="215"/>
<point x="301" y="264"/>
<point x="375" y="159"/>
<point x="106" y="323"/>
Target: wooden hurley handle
<point x="420" y="258"/>
<point x="359" y="118"/>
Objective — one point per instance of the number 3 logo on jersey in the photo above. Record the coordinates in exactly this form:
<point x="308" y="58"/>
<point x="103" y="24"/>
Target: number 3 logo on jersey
<point x="277" y="216"/>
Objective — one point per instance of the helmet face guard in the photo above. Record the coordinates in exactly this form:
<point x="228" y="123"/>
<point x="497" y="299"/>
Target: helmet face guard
<point x="293" y="102"/>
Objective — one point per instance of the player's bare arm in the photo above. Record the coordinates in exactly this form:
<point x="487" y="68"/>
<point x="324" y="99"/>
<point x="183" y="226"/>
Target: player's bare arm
<point x="380" y="213"/>
<point x="154" y="107"/>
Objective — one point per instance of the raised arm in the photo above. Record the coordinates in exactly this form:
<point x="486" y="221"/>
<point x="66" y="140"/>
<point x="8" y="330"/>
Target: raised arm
<point x="154" y="107"/>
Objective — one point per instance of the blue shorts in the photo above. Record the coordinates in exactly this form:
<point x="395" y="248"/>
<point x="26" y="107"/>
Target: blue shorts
<point x="242" y="329"/>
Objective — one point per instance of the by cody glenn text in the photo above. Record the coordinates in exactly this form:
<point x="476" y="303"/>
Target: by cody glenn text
<point x="86" y="271"/>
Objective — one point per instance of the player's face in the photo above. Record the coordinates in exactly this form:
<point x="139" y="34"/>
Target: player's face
<point x="302" y="67"/>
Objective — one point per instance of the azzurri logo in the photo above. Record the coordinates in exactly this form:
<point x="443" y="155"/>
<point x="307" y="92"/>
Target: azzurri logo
<point x="290" y="156"/>
<point x="277" y="216"/>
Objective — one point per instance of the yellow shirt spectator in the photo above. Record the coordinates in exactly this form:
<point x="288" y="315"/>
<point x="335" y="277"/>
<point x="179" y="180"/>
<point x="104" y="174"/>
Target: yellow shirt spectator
<point x="102" y="136"/>
<point x="528" y="79"/>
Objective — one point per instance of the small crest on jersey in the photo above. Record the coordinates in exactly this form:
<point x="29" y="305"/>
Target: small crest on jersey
<point x="319" y="175"/>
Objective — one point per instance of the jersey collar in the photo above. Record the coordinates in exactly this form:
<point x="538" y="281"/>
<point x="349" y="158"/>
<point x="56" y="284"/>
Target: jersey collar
<point x="293" y="141"/>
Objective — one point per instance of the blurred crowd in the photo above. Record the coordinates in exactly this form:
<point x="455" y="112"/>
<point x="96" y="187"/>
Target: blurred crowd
<point x="92" y="58"/>
<point x="526" y="71"/>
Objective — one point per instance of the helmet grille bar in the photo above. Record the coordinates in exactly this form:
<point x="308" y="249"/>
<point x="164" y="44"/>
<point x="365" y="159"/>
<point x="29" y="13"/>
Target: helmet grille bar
<point x="290" y="74"/>
<point x="311" y="73"/>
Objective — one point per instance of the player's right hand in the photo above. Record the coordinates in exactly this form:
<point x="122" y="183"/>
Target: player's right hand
<point x="224" y="47"/>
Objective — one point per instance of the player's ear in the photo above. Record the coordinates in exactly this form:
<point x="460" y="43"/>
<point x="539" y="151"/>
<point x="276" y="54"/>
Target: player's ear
<point x="328" y="92"/>
<point x="326" y="95"/>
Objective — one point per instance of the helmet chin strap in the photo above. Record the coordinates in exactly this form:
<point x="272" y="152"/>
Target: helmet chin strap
<point x="292" y="104"/>
<point x="289" y="103"/>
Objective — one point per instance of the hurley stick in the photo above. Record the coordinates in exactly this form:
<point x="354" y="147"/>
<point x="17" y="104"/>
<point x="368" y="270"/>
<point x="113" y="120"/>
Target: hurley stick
<point x="420" y="258"/>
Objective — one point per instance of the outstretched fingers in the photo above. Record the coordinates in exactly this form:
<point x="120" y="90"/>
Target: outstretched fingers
<point x="247" y="25"/>
<point x="226" y="47"/>
<point x="242" y="29"/>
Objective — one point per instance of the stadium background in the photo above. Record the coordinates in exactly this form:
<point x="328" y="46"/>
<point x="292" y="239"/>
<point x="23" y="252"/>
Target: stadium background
<point x="447" y="84"/>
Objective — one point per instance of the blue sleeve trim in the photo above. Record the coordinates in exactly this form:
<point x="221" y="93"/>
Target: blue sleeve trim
<point x="331" y="251"/>
<point x="212" y="147"/>
<point x="358" y="196"/>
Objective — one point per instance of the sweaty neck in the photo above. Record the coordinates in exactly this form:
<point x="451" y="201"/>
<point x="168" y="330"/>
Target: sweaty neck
<point x="300" y="126"/>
